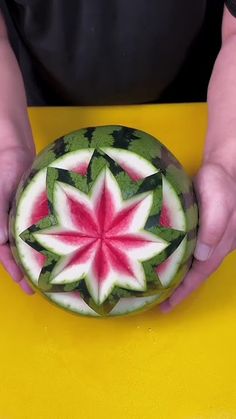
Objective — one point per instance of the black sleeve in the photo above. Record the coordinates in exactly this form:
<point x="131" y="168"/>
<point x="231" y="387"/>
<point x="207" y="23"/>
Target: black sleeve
<point x="231" y="4"/>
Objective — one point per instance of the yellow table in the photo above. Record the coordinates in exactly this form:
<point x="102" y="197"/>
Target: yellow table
<point x="54" y="365"/>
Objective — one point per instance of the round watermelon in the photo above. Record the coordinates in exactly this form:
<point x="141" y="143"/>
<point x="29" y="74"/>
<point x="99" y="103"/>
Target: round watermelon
<point x="105" y="222"/>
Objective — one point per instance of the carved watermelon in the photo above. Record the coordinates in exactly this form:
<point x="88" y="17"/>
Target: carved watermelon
<point x="105" y="222"/>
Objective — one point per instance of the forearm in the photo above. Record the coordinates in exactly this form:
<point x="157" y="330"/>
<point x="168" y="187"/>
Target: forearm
<point x="15" y="128"/>
<point x="221" y="136"/>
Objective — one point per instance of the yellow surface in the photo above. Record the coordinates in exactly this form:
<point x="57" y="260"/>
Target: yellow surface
<point x="182" y="365"/>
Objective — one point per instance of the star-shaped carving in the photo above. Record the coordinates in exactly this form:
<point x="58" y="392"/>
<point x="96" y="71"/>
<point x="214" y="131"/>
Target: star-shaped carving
<point x="102" y="237"/>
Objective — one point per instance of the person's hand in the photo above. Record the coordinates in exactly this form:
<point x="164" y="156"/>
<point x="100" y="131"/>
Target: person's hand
<point x="16" y="143"/>
<point x="216" y="192"/>
<point x="14" y="162"/>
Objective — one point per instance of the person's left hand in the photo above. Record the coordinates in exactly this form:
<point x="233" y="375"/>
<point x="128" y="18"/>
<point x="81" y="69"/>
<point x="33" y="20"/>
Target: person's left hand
<point x="216" y="192"/>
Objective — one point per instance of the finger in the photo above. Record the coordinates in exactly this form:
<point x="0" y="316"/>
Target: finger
<point x="199" y="272"/>
<point x="13" y="269"/>
<point x="214" y="218"/>
<point x="4" y="207"/>
<point x="7" y="260"/>
<point x="191" y="282"/>
<point x="26" y="287"/>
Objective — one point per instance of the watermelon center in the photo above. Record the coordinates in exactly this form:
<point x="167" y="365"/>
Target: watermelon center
<point x="100" y="236"/>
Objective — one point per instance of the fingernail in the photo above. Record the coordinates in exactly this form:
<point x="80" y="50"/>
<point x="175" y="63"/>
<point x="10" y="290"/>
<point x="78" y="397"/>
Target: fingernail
<point x="203" y="252"/>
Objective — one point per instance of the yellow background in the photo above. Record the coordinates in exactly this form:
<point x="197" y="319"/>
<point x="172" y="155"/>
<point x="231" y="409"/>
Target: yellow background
<point x="54" y="365"/>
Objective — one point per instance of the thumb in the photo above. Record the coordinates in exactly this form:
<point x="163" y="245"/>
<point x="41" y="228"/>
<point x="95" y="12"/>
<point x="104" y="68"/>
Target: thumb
<point x="214" y="217"/>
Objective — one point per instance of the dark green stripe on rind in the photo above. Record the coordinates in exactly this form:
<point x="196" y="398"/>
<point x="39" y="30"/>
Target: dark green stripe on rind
<point x="123" y="136"/>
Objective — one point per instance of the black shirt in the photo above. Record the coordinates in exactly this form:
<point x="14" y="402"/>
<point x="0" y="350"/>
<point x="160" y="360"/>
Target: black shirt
<point x="102" y="52"/>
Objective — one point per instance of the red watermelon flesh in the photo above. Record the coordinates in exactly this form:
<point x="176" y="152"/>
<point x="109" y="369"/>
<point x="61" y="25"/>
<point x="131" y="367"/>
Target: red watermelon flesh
<point x="40" y="210"/>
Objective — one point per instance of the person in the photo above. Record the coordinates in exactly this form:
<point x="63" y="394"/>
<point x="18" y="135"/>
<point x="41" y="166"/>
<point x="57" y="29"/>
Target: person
<point x="117" y="52"/>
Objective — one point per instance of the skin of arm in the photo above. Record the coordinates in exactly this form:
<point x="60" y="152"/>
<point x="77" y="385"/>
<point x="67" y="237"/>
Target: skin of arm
<point x="215" y="182"/>
<point x="17" y="149"/>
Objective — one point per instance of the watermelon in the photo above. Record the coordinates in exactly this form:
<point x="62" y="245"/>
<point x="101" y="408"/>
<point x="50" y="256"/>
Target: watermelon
<point x="105" y="222"/>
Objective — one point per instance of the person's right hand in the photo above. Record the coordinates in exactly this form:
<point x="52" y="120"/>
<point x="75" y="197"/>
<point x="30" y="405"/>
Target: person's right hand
<point x="14" y="162"/>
